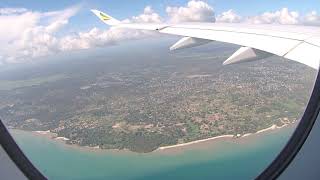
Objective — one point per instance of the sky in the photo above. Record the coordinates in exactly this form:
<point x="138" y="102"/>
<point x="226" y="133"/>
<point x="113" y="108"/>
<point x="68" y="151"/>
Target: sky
<point x="31" y="29"/>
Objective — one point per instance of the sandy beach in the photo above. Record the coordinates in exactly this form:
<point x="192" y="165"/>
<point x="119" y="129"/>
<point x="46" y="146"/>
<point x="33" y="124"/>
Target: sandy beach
<point x="46" y="133"/>
<point x="248" y="134"/>
<point x="273" y="127"/>
<point x="42" y="132"/>
<point x="51" y="135"/>
<point x="194" y="142"/>
<point x="61" y="138"/>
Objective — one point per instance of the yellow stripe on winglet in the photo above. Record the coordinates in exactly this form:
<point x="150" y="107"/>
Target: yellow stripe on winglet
<point x="104" y="17"/>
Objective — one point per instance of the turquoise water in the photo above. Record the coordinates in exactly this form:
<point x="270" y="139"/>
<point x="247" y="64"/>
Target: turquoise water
<point x="226" y="158"/>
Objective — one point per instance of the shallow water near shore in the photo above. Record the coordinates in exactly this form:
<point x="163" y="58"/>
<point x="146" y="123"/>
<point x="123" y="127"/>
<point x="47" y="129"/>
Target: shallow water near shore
<point x="226" y="158"/>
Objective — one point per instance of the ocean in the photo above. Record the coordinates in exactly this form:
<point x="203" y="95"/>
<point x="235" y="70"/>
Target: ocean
<point x="242" y="158"/>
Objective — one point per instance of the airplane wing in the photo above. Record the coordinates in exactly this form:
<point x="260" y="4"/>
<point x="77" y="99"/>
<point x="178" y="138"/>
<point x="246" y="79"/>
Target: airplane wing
<point x="298" y="43"/>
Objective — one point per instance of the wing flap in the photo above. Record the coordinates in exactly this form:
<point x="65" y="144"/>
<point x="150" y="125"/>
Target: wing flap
<point x="188" y="42"/>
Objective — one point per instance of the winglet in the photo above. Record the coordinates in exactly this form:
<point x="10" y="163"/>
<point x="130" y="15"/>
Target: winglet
<point x="106" y="18"/>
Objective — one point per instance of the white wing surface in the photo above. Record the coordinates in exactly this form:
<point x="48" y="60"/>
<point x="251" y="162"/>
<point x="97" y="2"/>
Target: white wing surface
<point x="298" y="43"/>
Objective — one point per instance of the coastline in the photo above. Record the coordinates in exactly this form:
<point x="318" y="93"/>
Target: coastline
<point x="169" y="148"/>
<point x="97" y="164"/>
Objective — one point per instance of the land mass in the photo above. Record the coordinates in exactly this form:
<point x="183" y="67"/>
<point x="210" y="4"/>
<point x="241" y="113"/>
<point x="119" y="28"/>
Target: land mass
<point x="141" y="102"/>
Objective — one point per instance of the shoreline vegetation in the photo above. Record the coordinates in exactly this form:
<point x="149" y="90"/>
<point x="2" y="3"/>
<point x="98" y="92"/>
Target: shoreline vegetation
<point x="64" y="140"/>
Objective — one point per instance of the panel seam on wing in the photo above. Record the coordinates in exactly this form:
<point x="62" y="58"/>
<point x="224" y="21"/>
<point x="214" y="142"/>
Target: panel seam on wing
<point x="239" y="32"/>
<point x="294" y="47"/>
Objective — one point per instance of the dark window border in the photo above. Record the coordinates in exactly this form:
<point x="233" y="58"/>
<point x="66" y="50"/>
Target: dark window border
<point x="272" y="172"/>
<point x="17" y="156"/>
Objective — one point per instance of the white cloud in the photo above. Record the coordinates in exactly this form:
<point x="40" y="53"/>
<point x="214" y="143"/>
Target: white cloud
<point x="312" y="18"/>
<point x="24" y="37"/>
<point x="194" y="11"/>
<point x="96" y="37"/>
<point x="58" y="19"/>
<point x="283" y="16"/>
<point x="6" y="11"/>
<point x="28" y="38"/>
<point x="12" y="24"/>
<point x="148" y="16"/>
<point x="229" y="16"/>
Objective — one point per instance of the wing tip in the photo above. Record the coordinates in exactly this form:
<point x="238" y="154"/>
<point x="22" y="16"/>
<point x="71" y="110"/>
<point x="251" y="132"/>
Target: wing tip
<point x="105" y="17"/>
